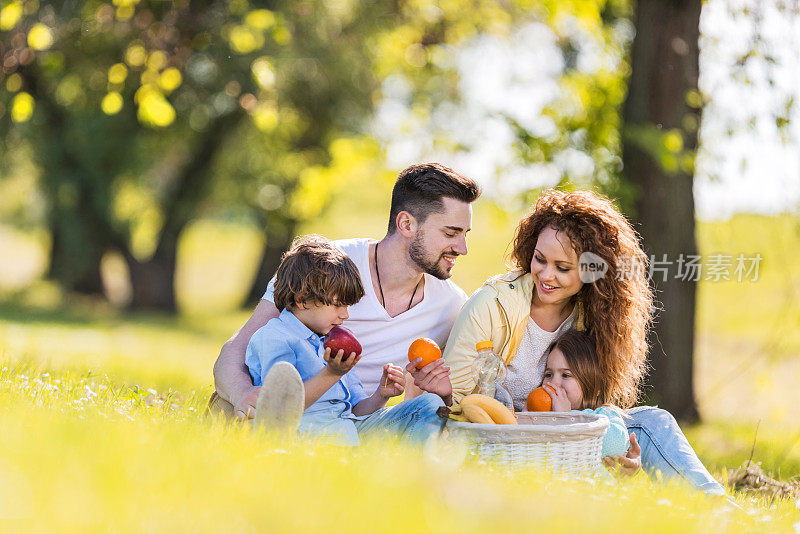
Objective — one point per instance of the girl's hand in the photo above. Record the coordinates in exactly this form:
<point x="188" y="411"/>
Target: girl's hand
<point x="626" y="465"/>
<point x="339" y="365"/>
<point x="560" y="401"/>
<point x="392" y="381"/>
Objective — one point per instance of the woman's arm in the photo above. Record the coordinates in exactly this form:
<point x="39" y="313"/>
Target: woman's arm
<point x="472" y="325"/>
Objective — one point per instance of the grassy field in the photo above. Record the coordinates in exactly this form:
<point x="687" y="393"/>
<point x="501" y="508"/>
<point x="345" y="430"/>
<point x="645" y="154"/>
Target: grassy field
<point x="102" y="426"/>
<point x="130" y="459"/>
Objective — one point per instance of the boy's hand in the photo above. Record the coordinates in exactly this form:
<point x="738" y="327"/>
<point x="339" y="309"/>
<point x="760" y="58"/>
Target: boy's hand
<point x="392" y="381"/>
<point x="560" y="401"/>
<point x="339" y="364"/>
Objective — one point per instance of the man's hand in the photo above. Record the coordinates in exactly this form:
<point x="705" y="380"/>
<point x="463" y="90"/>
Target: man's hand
<point x="626" y="465"/>
<point x="339" y="365"/>
<point x="433" y="378"/>
<point x="245" y="407"/>
<point x="392" y="381"/>
<point x="231" y="377"/>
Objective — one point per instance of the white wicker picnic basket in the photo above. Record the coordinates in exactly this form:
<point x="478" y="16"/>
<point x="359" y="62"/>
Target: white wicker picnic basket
<point x="567" y="443"/>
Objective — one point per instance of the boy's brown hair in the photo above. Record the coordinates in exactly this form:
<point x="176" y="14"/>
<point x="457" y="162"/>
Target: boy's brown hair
<point x="314" y="270"/>
<point x="578" y="349"/>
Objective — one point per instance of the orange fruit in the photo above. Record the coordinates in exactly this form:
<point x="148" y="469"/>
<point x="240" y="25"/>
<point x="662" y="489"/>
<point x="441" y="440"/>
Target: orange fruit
<point x="424" y="348"/>
<point x="539" y="400"/>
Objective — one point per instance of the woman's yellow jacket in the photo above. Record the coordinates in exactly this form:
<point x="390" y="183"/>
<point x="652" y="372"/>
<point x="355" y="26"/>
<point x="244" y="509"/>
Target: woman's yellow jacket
<point x="498" y="312"/>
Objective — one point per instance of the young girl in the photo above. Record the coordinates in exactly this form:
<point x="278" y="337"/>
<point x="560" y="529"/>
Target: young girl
<point x="573" y="371"/>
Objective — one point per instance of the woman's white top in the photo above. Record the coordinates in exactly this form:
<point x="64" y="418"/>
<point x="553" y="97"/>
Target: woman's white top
<point x="526" y="370"/>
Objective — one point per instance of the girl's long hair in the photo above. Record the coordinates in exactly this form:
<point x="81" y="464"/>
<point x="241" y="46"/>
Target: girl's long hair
<point x="618" y="307"/>
<point x="579" y="351"/>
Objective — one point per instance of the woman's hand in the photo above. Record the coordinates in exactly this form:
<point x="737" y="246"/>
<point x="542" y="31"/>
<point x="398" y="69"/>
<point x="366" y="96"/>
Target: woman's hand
<point x="560" y="401"/>
<point x="626" y="465"/>
<point x="392" y="381"/>
<point x="340" y="365"/>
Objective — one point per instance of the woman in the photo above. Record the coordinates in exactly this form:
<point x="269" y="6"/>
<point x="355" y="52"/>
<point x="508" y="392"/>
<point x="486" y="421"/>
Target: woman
<point x="578" y="265"/>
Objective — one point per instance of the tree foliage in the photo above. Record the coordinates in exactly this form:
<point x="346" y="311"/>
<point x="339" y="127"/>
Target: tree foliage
<point x="137" y="110"/>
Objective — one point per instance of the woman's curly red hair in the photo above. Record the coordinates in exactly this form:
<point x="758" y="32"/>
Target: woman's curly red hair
<point x="618" y="307"/>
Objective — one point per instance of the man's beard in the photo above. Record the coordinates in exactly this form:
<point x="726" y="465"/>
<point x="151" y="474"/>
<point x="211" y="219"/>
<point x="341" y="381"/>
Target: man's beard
<point x="417" y="254"/>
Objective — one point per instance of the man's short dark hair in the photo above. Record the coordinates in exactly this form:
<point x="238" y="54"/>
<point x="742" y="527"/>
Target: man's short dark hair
<point x="419" y="190"/>
<point x="314" y="270"/>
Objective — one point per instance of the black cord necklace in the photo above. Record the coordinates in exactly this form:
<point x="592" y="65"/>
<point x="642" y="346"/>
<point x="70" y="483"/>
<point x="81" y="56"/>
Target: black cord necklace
<point x="378" y="274"/>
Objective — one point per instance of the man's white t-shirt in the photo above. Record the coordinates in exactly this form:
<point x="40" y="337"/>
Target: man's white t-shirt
<point x="386" y="339"/>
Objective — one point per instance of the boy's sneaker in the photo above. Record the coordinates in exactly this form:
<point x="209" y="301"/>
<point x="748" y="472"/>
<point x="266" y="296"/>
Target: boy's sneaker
<point x="282" y="399"/>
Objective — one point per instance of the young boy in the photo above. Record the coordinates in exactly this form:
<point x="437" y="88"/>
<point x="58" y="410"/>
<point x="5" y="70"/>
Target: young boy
<point x="302" y="382"/>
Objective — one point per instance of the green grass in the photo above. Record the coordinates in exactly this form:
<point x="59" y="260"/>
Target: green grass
<point x="128" y="459"/>
<point x="123" y="460"/>
<point x="150" y="349"/>
<point x="764" y="314"/>
<point x="726" y="444"/>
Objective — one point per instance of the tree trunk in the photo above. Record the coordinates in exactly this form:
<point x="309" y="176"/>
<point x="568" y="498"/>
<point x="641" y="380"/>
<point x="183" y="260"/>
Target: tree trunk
<point x="76" y="252"/>
<point x="278" y="237"/>
<point x="153" y="281"/>
<point x="664" y="63"/>
<point x="77" y="213"/>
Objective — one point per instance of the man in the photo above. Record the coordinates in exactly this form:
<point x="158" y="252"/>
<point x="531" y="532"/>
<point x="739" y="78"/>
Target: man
<point x="408" y="291"/>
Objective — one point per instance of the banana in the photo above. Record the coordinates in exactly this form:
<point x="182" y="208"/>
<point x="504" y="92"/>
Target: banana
<point x="454" y="413"/>
<point x="476" y="414"/>
<point x="493" y="407"/>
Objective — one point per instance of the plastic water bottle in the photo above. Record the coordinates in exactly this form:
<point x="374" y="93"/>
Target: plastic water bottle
<point x="487" y="369"/>
<point x="489" y="373"/>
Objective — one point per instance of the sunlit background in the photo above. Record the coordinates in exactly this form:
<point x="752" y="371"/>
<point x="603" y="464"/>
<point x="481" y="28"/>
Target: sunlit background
<point x="157" y="157"/>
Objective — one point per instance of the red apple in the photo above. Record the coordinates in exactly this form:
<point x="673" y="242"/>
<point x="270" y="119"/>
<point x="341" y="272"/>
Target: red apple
<point x="341" y="338"/>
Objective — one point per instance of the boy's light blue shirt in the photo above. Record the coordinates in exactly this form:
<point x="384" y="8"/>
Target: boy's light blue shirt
<point x="286" y="339"/>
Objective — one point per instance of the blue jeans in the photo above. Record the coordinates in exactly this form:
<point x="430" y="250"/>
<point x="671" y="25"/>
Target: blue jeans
<point x="411" y="422"/>
<point x="666" y="450"/>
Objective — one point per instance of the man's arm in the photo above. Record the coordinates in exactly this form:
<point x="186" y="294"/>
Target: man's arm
<point x="231" y="378"/>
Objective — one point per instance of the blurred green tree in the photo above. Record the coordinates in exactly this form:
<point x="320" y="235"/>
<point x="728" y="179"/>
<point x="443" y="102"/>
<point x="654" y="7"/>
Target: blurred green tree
<point x="660" y="141"/>
<point x="143" y="114"/>
<point x="135" y="110"/>
<point x="662" y="113"/>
